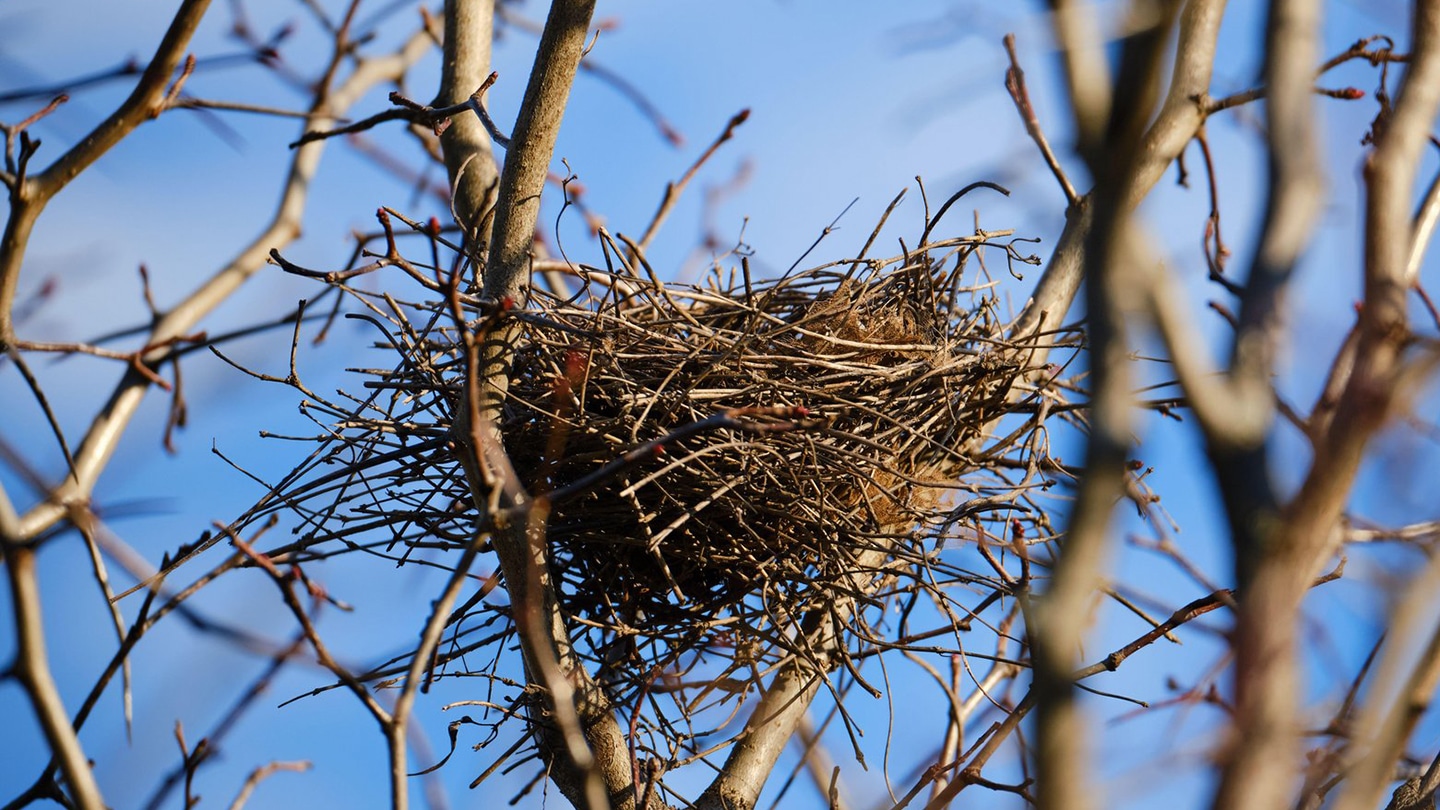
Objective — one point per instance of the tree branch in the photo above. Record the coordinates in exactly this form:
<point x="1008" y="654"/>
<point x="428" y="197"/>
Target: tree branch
<point x="32" y="669"/>
<point x="29" y="195"/>
<point x="1180" y="117"/>
<point x="600" y="775"/>
<point x="528" y="162"/>
<point x="1382" y="733"/>
<point x="783" y="707"/>
<point x="1274" y="577"/>
<point x="465" y="146"/>
<point x="1126" y="162"/>
<point x="109" y="425"/>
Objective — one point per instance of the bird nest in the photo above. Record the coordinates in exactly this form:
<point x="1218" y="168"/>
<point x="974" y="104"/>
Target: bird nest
<point x="720" y="459"/>
<point x="793" y="426"/>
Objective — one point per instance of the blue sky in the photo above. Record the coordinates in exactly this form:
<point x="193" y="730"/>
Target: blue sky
<point x="850" y="101"/>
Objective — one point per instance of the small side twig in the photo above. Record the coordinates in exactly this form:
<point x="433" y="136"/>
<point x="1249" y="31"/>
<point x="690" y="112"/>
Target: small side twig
<point x="1015" y="84"/>
<point x="674" y="190"/>
<point x="261" y="774"/>
<point x="416" y="113"/>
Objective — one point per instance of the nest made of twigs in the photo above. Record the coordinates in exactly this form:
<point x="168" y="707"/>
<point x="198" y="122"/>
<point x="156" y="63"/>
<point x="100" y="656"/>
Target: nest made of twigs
<point x="721" y="459"/>
<point x="855" y="395"/>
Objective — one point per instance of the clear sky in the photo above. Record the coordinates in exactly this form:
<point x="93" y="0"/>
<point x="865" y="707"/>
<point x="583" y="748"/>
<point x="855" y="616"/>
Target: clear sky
<point x="850" y="102"/>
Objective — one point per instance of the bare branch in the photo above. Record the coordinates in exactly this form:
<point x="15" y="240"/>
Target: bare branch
<point x="469" y="30"/>
<point x="674" y="190"/>
<point x="1274" y="566"/>
<point x="1236" y="411"/>
<point x="1086" y="73"/>
<point x="1385" y="727"/>
<point x="440" y="118"/>
<point x="1020" y="94"/>
<point x="109" y="425"/>
<point x="27" y="201"/>
<point x="775" y="718"/>
<point x="261" y="774"/>
<point x="1179" y="118"/>
<point x="1123" y="165"/>
<point x="526" y="166"/>
<point x="32" y="669"/>
<point x="580" y="710"/>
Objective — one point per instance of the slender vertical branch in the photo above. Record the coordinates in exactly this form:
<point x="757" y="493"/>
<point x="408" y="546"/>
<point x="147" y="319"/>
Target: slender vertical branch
<point x="465" y="145"/>
<point x="1057" y="621"/>
<point x="1266" y="686"/>
<point x="1305" y="533"/>
<point x="1087" y="75"/>
<point x="32" y="668"/>
<point x="528" y="162"/>
<point x="1384" y="728"/>
<point x="601" y="776"/>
